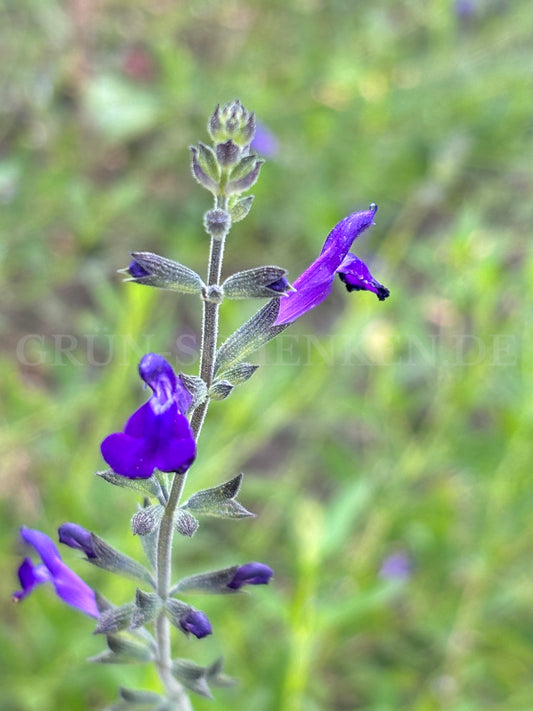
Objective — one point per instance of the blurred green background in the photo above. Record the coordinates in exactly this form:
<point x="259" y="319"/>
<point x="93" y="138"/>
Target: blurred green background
<point x="371" y="429"/>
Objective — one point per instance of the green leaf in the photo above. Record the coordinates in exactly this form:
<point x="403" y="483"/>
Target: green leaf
<point x="192" y="676"/>
<point x="148" y="486"/>
<point x="253" y="334"/>
<point x="219" y="501"/>
<point x="115" y="620"/>
<point x="123" y="650"/>
<point x="240" y="373"/>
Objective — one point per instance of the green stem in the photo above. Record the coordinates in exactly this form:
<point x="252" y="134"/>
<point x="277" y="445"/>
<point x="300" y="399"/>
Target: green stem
<point x="174" y="690"/>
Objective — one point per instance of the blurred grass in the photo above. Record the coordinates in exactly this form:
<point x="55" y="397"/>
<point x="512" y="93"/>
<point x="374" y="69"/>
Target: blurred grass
<point x="403" y="426"/>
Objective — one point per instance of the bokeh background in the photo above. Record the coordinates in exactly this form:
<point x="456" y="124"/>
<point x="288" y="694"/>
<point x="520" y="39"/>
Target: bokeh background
<point x="386" y="446"/>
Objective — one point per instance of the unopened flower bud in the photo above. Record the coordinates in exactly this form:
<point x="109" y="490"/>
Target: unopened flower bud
<point x="199" y="172"/>
<point x="195" y="622"/>
<point x="77" y="537"/>
<point x="261" y="282"/>
<point x="217" y="223"/>
<point x="232" y="121"/>
<point x="227" y="153"/>
<point x="251" y="574"/>
<point x="152" y="270"/>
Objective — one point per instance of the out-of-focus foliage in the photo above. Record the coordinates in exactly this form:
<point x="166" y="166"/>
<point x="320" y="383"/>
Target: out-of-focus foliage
<point x="372" y="428"/>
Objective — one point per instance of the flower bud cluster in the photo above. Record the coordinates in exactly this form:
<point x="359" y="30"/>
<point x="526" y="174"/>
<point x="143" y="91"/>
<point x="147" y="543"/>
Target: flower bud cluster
<point x="228" y="168"/>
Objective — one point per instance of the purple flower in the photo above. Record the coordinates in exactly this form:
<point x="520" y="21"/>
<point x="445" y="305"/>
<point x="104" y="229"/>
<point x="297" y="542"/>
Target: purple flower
<point x="76" y="537"/>
<point x="251" y="574"/>
<point x="264" y="141"/>
<point x="315" y="284"/>
<point x="69" y="587"/>
<point x="356" y="276"/>
<point x="196" y="623"/>
<point x="396" y="566"/>
<point x="158" y="434"/>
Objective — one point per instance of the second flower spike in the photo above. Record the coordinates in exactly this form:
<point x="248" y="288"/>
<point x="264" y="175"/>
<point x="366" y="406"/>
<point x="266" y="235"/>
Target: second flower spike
<point x="158" y="434"/>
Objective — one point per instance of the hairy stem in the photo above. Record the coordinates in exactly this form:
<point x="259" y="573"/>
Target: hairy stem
<point x="166" y="530"/>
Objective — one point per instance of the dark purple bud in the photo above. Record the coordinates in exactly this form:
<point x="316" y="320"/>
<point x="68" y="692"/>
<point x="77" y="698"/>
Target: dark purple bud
<point x="227" y="153"/>
<point x="280" y="285"/>
<point x="136" y="271"/>
<point x="196" y="623"/>
<point x="77" y="537"/>
<point x="152" y="270"/>
<point x="251" y="574"/>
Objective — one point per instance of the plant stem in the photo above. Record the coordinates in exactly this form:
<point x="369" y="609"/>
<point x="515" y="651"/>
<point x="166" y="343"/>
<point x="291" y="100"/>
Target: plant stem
<point x="174" y="690"/>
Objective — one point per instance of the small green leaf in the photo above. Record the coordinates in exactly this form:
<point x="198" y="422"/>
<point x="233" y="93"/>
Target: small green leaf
<point x="123" y="650"/>
<point x="148" y="486"/>
<point x="192" y="676"/>
<point x="219" y="501"/>
<point x="115" y="620"/>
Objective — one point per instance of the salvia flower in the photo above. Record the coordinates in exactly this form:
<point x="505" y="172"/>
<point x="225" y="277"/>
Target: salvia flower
<point x="315" y="284"/>
<point x="195" y="622"/>
<point x="396" y="566"/>
<point x="264" y="141"/>
<point x="251" y="574"/>
<point x="69" y="587"/>
<point x="158" y="434"/>
<point x="77" y="537"/>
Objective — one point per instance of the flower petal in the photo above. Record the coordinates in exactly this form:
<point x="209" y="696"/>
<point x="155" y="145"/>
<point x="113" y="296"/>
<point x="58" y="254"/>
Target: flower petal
<point x="44" y="546"/>
<point x="30" y="575"/>
<point x="251" y="574"/>
<point x="69" y="587"/>
<point x="346" y="231"/>
<point x="128" y="456"/>
<point x="74" y="591"/>
<point x="356" y="276"/>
